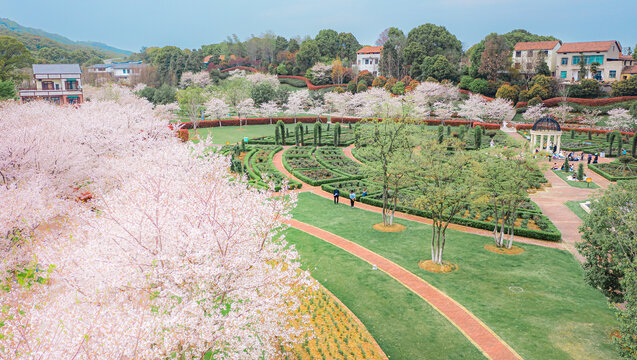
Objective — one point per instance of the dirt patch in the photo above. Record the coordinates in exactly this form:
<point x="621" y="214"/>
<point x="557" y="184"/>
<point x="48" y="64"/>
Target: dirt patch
<point x="241" y="156"/>
<point x="514" y="250"/>
<point x="390" y="228"/>
<point x="240" y="129"/>
<point x="437" y="268"/>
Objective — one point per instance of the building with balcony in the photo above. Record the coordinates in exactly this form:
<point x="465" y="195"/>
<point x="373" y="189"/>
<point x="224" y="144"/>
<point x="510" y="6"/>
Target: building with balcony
<point x="57" y="83"/>
<point x="527" y="55"/>
<point x="607" y="55"/>
<point x="368" y="58"/>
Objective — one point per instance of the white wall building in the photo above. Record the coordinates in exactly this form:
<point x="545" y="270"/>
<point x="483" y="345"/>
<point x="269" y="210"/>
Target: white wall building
<point x="527" y="54"/>
<point x="607" y="54"/>
<point x="118" y="70"/>
<point x="368" y="58"/>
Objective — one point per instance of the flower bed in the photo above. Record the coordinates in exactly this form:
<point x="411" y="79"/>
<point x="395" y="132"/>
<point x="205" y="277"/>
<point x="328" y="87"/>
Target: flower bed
<point x="334" y="159"/>
<point x="587" y="102"/>
<point x="614" y="172"/>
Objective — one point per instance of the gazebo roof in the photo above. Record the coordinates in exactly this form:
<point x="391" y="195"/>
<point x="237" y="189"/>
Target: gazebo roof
<point x="546" y="123"/>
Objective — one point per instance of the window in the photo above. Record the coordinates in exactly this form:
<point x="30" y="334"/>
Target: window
<point x="565" y="61"/>
<point x="546" y="52"/>
<point x="530" y="53"/>
<point x="576" y="60"/>
<point x="518" y="53"/>
<point x="366" y="61"/>
<point x="594" y="58"/>
<point x="563" y="75"/>
<point x="47" y="85"/>
<point x="612" y="74"/>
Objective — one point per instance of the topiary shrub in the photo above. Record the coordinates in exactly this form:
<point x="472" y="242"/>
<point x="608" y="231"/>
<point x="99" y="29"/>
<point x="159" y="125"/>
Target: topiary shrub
<point x="362" y="87"/>
<point x="441" y="130"/>
<point x="536" y="100"/>
<point x="634" y="148"/>
<point x="572" y="133"/>
<point x="478" y="136"/>
<point x="566" y="166"/>
<point x="317" y="129"/>
<point x="580" y="171"/>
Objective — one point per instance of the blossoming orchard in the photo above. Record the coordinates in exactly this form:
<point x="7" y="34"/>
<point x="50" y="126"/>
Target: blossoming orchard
<point x="309" y="209"/>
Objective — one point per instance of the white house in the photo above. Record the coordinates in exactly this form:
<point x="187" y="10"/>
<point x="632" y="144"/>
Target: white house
<point x="368" y="58"/>
<point x="118" y="70"/>
<point x="527" y="54"/>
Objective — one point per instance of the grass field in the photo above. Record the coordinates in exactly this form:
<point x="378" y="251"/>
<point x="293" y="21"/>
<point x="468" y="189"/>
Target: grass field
<point x="403" y="324"/>
<point x="576" y="184"/>
<point x="555" y="316"/>
<point x="234" y="134"/>
<point x="575" y="207"/>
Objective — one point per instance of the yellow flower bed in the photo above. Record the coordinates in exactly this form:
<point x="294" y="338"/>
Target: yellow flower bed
<point x="336" y="332"/>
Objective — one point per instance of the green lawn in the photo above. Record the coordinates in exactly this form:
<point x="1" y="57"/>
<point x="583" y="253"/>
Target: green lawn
<point x="575" y="207"/>
<point x="556" y="316"/>
<point x="577" y="184"/>
<point x="234" y="134"/>
<point x="404" y="325"/>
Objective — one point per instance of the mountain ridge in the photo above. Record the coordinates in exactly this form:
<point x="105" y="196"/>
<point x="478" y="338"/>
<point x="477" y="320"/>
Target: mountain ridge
<point x="15" y="27"/>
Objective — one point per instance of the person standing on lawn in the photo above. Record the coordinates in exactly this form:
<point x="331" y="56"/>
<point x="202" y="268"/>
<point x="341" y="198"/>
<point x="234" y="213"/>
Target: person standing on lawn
<point x="337" y="194"/>
<point x="352" y="198"/>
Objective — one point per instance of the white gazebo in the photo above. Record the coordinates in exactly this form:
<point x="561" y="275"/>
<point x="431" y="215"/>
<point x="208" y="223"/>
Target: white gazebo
<point x="549" y="128"/>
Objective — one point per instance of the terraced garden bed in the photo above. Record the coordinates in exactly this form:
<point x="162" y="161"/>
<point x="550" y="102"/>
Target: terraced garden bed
<point x="261" y="170"/>
<point x="313" y="167"/>
<point x="615" y="171"/>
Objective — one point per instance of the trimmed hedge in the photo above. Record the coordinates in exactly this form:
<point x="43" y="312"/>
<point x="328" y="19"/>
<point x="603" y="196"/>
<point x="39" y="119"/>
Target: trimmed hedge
<point x="313" y="182"/>
<point x="576" y="129"/>
<point x="552" y="235"/>
<point x="608" y="176"/>
<point x="586" y="102"/>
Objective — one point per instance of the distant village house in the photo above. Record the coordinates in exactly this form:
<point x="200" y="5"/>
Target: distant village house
<point x="57" y="83"/>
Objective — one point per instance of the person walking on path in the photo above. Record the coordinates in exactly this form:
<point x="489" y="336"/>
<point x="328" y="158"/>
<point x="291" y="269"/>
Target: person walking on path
<point x="590" y="157"/>
<point x="337" y="194"/>
<point x="352" y="198"/>
<point x="596" y="158"/>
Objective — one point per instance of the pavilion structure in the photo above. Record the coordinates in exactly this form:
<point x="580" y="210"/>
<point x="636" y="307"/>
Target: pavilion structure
<point x="548" y="128"/>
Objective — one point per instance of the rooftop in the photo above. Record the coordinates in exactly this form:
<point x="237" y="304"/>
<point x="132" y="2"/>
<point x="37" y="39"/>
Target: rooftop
<point x="370" y="50"/>
<point x="56" y="69"/>
<point x="592" y="46"/>
<point x="630" y="70"/>
<point x="535" y="45"/>
<point x="546" y="123"/>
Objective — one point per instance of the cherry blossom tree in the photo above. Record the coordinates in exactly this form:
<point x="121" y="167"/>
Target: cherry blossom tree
<point x="245" y="108"/>
<point x="269" y="109"/>
<point x="499" y="110"/>
<point x="620" y="119"/>
<point x="473" y="108"/>
<point x="534" y="113"/>
<point x="170" y="263"/>
<point x="217" y="108"/>
<point x="297" y="102"/>
<point x="200" y="79"/>
<point x="562" y="112"/>
<point x="167" y="111"/>
<point x="257" y="78"/>
<point x="443" y="110"/>
<point x="591" y="117"/>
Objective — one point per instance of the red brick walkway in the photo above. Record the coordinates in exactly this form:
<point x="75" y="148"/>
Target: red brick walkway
<point x="278" y="163"/>
<point x="487" y="341"/>
<point x="552" y="202"/>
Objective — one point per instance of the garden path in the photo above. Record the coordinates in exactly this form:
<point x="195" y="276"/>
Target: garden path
<point x="552" y="202"/>
<point x="278" y="163"/>
<point x="487" y="341"/>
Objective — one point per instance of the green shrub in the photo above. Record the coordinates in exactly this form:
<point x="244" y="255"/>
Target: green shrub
<point x="479" y="86"/>
<point x="572" y="134"/>
<point x="534" y="101"/>
<point x="362" y="87"/>
<point x="478" y="136"/>
<point x="465" y="82"/>
<point x="351" y="86"/>
<point x="634" y="147"/>
<point x="580" y="171"/>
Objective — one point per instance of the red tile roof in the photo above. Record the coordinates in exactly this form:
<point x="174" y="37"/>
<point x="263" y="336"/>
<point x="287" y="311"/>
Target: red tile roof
<point x="535" y="45"/>
<point x="630" y="70"/>
<point x="592" y="46"/>
<point x="207" y="58"/>
<point x="626" y="57"/>
<point x="370" y="50"/>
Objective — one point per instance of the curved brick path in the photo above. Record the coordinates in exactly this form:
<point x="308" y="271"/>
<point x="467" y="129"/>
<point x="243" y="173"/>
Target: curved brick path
<point x="491" y="345"/>
<point x="278" y="163"/>
<point x="551" y="200"/>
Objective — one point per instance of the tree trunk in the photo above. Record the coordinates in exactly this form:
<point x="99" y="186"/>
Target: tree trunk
<point x="385" y="218"/>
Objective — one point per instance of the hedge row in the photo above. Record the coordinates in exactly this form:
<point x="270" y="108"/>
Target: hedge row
<point x="587" y="102"/>
<point x="608" y="176"/>
<point x="579" y="130"/>
<point x="313" y="182"/>
<point x="313" y="119"/>
<point x="552" y="235"/>
<point x="255" y="175"/>
<point x="308" y="83"/>
<point x="244" y="68"/>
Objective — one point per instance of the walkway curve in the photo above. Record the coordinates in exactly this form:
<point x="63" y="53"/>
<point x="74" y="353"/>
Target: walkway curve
<point x="477" y="332"/>
<point x="278" y="164"/>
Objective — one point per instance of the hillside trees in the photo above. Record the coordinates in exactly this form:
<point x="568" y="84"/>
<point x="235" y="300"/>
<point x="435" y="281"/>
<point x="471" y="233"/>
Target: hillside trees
<point x="495" y="57"/>
<point x="391" y="59"/>
<point x="13" y="56"/>
<point x="430" y="40"/>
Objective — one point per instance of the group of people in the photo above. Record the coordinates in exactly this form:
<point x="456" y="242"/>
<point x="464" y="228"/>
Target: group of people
<point x="352" y="196"/>
<point x="574" y="157"/>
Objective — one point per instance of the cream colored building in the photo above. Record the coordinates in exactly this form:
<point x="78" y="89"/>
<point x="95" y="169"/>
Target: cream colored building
<point x="526" y="55"/>
<point x="608" y="54"/>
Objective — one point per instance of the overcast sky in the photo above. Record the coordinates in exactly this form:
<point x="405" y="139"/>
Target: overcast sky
<point x="131" y="24"/>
